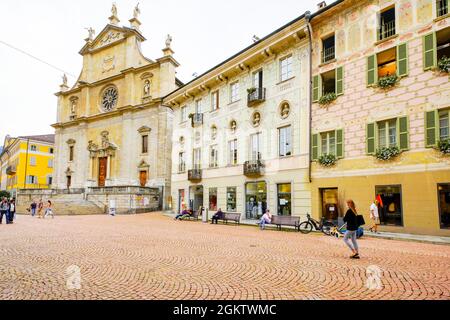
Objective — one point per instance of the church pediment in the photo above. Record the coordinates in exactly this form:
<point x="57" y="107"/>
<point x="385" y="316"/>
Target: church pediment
<point x="110" y="35"/>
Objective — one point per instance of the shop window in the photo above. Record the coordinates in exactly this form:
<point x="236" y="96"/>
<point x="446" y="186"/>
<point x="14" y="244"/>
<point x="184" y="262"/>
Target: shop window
<point x="231" y="199"/>
<point x="391" y="209"/>
<point x="285" y="199"/>
<point x="444" y="205"/>
<point x="255" y="200"/>
<point x="213" y="199"/>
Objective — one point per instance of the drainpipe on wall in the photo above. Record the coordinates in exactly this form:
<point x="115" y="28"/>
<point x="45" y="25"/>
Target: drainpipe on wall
<point x="308" y="20"/>
<point x="26" y="164"/>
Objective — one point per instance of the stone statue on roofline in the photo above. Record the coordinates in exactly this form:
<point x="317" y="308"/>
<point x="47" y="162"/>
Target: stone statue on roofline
<point x="136" y="12"/>
<point x="169" y="41"/>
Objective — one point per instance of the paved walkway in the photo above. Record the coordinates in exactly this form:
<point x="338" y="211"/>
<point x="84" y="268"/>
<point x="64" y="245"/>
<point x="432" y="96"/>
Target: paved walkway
<point x="153" y="257"/>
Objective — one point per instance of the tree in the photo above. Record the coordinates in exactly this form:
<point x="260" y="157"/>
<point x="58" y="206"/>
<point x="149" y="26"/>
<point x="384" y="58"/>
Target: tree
<point x="5" y="194"/>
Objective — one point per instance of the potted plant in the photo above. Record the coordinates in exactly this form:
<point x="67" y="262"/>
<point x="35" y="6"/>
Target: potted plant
<point x="327" y="160"/>
<point x="251" y="90"/>
<point x="444" y="146"/>
<point x="327" y="98"/>
<point x="387" y="153"/>
<point x="444" y="64"/>
<point x="388" y="81"/>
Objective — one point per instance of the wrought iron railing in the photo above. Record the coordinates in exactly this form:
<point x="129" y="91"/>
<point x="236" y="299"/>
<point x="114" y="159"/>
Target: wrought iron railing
<point x="386" y="30"/>
<point x="442" y="7"/>
<point x="253" y="168"/>
<point x="328" y="54"/>
<point x="195" y="175"/>
<point x="255" y="96"/>
<point x="196" y="119"/>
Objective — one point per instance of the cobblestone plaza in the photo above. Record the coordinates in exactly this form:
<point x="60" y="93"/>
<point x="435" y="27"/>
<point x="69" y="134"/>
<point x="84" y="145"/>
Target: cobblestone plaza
<point x="153" y="257"/>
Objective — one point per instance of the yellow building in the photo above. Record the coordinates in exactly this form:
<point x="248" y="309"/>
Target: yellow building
<point x="27" y="163"/>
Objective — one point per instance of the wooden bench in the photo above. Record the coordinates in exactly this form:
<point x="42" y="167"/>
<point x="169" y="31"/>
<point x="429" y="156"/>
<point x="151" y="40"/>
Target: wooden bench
<point x="281" y="221"/>
<point x="195" y="216"/>
<point x="233" y="217"/>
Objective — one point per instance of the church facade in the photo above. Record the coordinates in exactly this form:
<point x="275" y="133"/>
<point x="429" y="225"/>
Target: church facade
<point x="113" y="134"/>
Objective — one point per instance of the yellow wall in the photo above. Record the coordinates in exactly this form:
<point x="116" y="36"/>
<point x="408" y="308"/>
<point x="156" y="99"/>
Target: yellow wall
<point x="419" y="197"/>
<point x="24" y="168"/>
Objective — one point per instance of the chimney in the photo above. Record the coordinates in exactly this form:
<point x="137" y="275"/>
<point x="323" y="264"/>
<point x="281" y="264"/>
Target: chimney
<point x="321" y="5"/>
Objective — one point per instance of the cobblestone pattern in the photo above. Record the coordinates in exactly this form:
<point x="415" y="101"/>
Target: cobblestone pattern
<point x="153" y="257"/>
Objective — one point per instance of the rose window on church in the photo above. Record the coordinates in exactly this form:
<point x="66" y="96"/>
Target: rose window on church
<point x="109" y="99"/>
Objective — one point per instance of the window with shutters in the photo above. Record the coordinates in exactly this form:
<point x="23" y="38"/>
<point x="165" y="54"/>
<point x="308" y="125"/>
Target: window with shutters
<point x="444" y="124"/>
<point x="386" y="134"/>
<point x="441" y="8"/>
<point x="387" y="63"/>
<point x="436" y="45"/>
<point x="328" y="143"/>
<point x="386" y="27"/>
<point x="328" y="82"/>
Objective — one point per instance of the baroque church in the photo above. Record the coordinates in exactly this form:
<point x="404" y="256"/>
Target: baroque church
<point x="113" y="134"/>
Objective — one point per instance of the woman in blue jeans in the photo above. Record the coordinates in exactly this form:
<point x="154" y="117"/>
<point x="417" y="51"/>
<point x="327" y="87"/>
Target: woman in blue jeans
<point x="350" y="238"/>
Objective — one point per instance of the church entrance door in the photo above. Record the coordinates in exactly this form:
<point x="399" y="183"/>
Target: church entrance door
<point x="143" y="178"/>
<point x="102" y="171"/>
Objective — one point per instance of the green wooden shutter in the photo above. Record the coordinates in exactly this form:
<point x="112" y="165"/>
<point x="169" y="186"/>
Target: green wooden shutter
<point x="315" y="147"/>
<point x="370" y="138"/>
<point x="317" y="88"/>
<point x="372" y="74"/>
<point x="403" y="133"/>
<point x="431" y="128"/>
<point x="339" y="143"/>
<point x="429" y="51"/>
<point x="402" y="60"/>
<point x="340" y="81"/>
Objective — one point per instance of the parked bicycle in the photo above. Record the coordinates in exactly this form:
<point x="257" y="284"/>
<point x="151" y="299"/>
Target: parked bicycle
<point x="323" y="226"/>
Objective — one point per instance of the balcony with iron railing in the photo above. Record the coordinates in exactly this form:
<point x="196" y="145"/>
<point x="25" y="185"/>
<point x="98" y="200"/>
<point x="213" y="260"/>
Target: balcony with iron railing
<point x="328" y="54"/>
<point x="195" y="175"/>
<point x="387" y="29"/>
<point x="442" y="7"/>
<point x="256" y="96"/>
<point x="196" y="119"/>
<point x="253" y="168"/>
<point x="11" y="170"/>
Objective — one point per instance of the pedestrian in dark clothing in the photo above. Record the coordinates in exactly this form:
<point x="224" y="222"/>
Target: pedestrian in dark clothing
<point x="33" y="207"/>
<point x="4" y="207"/>
<point x="350" y="238"/>
<point x="218" y="216"/>
<point x="12" y="211"/>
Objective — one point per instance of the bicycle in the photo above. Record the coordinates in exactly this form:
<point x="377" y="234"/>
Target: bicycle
<point x="323" y="226"/>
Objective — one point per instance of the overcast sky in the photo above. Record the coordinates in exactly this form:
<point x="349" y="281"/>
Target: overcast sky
<point x="205" y="32"/>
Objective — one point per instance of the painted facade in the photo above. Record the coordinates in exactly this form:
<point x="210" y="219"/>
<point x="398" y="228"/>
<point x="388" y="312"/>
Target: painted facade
<point x="410" y="117"/>
<point x="241" y="131"/>
<point x="27" y="162"/>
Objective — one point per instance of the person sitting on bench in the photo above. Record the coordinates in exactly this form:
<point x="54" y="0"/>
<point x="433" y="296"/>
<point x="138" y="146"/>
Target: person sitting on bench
<point x="218" y="216"/>
<point x="185" y="213"/>
<point x="266" y="219"/>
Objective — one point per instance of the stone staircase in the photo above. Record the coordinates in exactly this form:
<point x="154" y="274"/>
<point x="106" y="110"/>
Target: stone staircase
<point x="65" y="205"/>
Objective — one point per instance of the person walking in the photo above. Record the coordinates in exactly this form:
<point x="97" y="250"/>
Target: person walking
<point x="49" y="210"/>
<point x="350" y="238"/>
<point x="12" y="211"/>
<point x="265" y="219"/>
<point x="40" y="208"/>
<point x="4" y="210"/>
<point x="33" y="207"/>
<point x="374" y="216"/>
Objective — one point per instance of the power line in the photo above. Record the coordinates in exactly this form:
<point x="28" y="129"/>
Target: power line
<point x="36" y="58"/>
